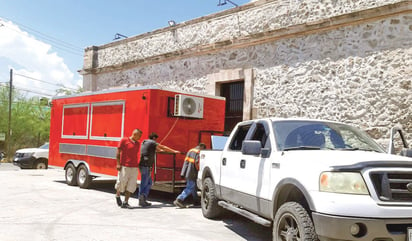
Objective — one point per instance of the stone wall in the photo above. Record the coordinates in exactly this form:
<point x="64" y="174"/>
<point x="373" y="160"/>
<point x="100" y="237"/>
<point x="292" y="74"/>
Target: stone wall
<point x="358" y="72"/>
<point x="242" y="22"/>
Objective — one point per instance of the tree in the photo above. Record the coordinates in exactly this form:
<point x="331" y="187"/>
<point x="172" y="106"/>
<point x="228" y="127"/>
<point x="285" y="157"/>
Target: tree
<point x="30" y="123"/>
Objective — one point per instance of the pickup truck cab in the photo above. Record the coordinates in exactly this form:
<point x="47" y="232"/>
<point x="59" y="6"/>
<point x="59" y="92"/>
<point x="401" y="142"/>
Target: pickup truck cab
<point x="309" y="180"/>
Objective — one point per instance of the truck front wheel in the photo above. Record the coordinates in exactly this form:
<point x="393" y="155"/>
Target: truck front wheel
<point x="292" y="222"/>
<point x="210" y="208"/>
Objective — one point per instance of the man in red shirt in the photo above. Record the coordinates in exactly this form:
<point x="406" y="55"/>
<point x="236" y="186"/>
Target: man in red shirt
<point x="127" y="166"/>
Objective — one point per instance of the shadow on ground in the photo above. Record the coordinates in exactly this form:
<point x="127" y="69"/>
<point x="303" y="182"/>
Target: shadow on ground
<point x="243" y="227"/>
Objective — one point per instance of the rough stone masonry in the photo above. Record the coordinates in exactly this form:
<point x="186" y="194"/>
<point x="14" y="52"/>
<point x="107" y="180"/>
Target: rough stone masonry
<point x="344" y="60"/>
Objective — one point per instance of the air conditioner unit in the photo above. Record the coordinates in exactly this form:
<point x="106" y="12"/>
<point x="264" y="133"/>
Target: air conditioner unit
<point x="188" y="106"/>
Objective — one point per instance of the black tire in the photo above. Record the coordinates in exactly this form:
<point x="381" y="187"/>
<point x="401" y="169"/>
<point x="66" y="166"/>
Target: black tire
<point x="83" y="177"/>
<point x="40" y="164"/>
<point x="209" y="201"/>
<point x="292" y="222"/>
<point x="71" y="175"/>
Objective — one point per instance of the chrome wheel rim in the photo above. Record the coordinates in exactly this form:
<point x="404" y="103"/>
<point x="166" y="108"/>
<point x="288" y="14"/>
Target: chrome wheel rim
<point x="288" y="229"/>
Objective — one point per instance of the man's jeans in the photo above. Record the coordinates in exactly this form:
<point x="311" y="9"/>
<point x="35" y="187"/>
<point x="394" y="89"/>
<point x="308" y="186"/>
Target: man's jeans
<point x="191" y="189"/>
<point x="145" y="181"/>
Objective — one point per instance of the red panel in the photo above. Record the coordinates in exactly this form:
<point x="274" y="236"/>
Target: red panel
<point x="107" y="120"/>
<point x="146" y="109"/>
<point x="75" y="121"/>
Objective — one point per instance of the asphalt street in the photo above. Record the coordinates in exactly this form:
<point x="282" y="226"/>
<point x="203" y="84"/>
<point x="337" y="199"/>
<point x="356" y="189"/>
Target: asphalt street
<point x="38" y="205"/>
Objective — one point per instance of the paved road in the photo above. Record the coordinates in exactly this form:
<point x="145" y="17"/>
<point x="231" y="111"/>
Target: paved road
<point x="38" y="205"/>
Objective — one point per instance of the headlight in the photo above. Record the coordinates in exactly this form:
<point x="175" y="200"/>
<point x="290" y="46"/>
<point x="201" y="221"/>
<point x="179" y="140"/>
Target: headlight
<point x="28" y="154"/>
<point x="342" y="182"/>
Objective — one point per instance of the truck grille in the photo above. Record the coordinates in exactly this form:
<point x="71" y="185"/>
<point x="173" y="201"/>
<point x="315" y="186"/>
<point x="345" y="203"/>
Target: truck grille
<point x="19" y="154"/>
<point x="393" y="186"/>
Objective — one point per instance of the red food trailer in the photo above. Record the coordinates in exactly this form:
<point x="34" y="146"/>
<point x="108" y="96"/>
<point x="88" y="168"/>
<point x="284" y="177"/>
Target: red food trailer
<point x="85" y="130"/>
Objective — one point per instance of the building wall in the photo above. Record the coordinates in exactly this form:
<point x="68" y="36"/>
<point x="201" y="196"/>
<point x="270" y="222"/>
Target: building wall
<point x="341" y="60"/>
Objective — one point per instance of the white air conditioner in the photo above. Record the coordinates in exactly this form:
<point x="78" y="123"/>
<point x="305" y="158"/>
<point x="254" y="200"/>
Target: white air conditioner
<point x="188" y="106"/>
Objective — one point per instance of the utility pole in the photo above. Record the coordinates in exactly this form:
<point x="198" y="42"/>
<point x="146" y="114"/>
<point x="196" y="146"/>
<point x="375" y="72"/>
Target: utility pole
<point x="9" y="124"/>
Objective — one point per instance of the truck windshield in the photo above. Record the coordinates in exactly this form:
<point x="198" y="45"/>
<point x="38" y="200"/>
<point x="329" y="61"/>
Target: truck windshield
<point x="317" y="135"/>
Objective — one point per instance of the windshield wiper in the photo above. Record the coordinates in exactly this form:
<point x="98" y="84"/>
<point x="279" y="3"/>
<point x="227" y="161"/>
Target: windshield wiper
<point x="302" y="148"/>
<point x="358" y="149"/>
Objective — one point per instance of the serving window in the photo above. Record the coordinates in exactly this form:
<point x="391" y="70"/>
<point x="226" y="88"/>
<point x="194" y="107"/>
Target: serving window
<point x="75" y="121"/>
<point x="107" y="120"/>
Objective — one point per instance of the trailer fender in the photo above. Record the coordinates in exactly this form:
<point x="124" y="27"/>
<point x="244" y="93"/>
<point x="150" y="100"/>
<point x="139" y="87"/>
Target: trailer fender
<point x="77" y="163"/>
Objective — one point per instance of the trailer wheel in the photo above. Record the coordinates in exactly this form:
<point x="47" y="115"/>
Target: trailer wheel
<point x="71" y="175"/>
<point x="292" y="222"/>
<point x="209" y="201"/>
<point x="83" y="177"/>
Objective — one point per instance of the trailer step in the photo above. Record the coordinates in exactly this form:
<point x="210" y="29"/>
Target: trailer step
<point x="255" y="218"/>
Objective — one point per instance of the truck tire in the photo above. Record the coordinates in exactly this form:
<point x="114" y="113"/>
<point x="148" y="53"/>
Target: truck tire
<point x="292" y="222"/>
<point x="71" y="175"/>
<point x="209" y="201"/>
<point x="83" y="177"/>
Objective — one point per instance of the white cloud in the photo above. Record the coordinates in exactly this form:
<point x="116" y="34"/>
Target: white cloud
<point x="31" y="57"/>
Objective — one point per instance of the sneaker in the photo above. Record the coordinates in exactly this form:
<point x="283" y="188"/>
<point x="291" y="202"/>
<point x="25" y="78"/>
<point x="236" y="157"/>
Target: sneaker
<point x="179" y="203"/>
<point x="119" y="201"/>
<point x="126" y="205"/>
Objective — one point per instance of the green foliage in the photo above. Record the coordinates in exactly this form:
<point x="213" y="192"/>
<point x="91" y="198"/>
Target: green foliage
<point x="65" y="91"/>
<point x="30" y="121"/>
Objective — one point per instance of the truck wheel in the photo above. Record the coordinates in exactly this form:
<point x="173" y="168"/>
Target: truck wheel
<point x="40" y="164"/>
<point x="71" y="175"/>
<point x="83" y="177"/>
<point x="210" y="208"/>
<point x="292" y="222"/>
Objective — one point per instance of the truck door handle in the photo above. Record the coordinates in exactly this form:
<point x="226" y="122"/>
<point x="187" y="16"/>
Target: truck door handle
<point x="242" y="163"/>
<point x="224" y="161"/>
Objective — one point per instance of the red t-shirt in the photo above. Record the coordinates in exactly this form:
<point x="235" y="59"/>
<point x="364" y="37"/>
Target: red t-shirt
<point x="130" y="150"/>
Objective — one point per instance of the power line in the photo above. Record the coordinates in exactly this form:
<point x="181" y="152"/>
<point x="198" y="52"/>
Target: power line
<point x="46" y="82"/>
<point x="57" y="43"/>
<point x="31" y="91"/>
<point x="36" y="88"/>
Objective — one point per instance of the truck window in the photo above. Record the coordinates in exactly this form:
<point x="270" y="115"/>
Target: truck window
<point x="236" y="144"/>
<point x="260" y="134"/>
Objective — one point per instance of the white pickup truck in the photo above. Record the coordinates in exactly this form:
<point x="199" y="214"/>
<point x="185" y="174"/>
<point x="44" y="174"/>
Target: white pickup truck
<point x="310" y="180"/>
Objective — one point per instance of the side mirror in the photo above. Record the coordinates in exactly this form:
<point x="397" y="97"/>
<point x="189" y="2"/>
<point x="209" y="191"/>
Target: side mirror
<point x="405" y="151"/>
<point x="251" y="148"/>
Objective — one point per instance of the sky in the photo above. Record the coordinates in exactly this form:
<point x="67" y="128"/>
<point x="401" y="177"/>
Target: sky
<point x="43" y="41"/>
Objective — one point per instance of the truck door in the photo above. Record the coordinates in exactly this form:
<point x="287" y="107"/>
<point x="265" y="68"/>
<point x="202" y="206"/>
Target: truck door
<point x="250" y="175"/>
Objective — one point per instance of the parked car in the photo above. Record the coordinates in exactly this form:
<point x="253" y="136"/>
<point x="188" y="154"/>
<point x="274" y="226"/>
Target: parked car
<point x="36" y="158"/>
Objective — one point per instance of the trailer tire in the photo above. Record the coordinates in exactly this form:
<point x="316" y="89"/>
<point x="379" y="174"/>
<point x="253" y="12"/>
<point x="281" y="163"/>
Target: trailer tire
<point x="83" y="177"/>
<point x="71" y="174"/>
<point x="292" y="222"/>
<point x="209" y="200"/>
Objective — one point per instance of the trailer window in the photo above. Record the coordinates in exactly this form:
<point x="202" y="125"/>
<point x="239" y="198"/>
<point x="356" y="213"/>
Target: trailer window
<point x="75" y="121"/>
<point x="107" y="121"/>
